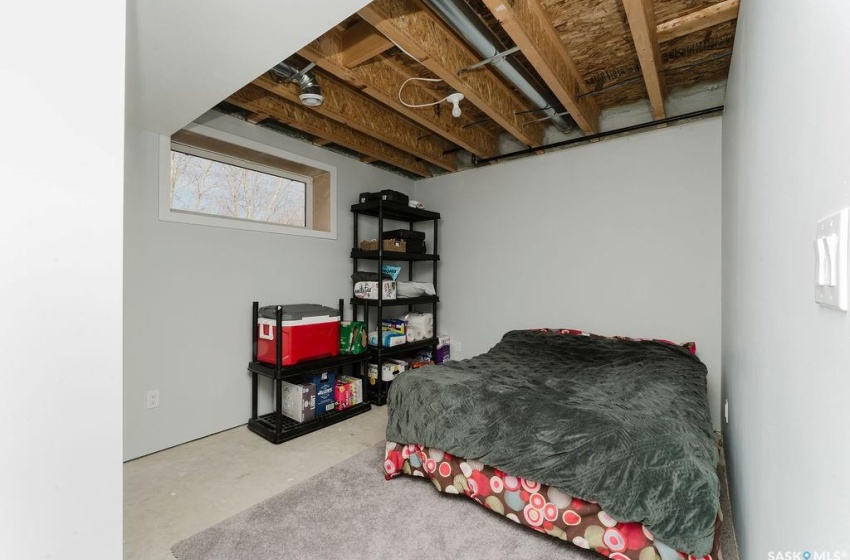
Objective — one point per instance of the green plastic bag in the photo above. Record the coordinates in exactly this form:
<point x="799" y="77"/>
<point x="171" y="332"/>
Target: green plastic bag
<point x="351" y="337"/>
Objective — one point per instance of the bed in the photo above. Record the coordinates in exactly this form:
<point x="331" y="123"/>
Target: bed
<point x="603" y="442"/>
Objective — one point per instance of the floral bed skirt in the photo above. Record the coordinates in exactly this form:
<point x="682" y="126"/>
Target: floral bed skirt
<point x="539" y="507"/>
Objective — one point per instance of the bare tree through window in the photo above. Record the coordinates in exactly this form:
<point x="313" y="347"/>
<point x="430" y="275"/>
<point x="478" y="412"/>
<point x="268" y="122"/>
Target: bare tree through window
<point x="210" y="187"/>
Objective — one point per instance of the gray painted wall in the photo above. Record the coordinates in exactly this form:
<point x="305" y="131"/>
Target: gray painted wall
<point x="619" y="237"/>
<point x="188" y="291"/>
<point x="786" y="361"/>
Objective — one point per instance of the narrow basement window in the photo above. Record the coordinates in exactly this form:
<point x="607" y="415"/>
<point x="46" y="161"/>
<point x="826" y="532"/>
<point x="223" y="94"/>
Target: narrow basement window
<point x="202" y="183"/>
<point x="223" y="181"/>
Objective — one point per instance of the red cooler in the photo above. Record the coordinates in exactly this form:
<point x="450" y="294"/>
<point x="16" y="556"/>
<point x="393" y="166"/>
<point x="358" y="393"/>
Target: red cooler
<point x="309" y="331"/>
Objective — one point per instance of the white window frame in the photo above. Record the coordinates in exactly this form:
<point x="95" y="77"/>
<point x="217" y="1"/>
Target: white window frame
<point x="166" y="213"/>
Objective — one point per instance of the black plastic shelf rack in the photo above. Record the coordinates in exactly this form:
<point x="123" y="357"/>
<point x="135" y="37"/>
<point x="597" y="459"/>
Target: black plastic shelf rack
<point x="289" y="372"/>
<point x="392" y="256"/>
<point x="274" y="426"/>
<point x="401" y="349"/>
<point x="398" y="301"/>
<point x="394" y="211"/>
<point x="266" y="425"/>
<point x="375" y="309"/>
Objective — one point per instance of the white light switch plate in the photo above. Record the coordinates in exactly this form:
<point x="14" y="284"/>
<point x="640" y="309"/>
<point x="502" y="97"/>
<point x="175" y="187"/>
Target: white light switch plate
<point x="831" y="261"/>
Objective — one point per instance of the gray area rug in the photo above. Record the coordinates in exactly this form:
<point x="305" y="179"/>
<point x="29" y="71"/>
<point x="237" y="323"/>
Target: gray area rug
<point x="351" y="512"/>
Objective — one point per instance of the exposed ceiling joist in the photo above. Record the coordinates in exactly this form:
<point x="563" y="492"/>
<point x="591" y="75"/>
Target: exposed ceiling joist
<point x="256" y="99"/>
<point x="381" y="79"/>
<point x="641" y="16"/>
<point x="697" y="21"/>
<point x="352" y="108"/>
<point x="321" y="141"/>
<point x="255" y="118"/>
<point x="360" y="42"/>
<point x="416" y="30"/>
<point x="532" y="31"/>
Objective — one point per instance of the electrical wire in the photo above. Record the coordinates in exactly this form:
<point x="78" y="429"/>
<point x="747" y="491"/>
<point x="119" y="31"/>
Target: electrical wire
<point x="416" y="105"/>
<point x="404" y="51"/>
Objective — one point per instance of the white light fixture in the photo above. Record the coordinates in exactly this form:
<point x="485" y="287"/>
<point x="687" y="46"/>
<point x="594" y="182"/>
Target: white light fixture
<point x="311" y="99"/>
<point x="455" y="99"/>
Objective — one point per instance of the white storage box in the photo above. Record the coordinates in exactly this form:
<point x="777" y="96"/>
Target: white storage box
<point x="369" y="290"/>
<point x="389" y="370"/>
<point x="299" y="401"/>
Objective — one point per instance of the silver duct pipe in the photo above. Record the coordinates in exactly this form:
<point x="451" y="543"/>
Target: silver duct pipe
<point x="457" y="14"/>
<point x="310" y="92"/>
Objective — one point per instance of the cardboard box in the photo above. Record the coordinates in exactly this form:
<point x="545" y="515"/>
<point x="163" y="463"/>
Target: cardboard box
<point x="325" y="383"/>
<point x="355" y="385"/>
<point x="388" y="339"/>
<point x="342" y="395"/>
<point x="389" y="369"/>
<point x="299" y="401"/>
<point x="369" y="290"/>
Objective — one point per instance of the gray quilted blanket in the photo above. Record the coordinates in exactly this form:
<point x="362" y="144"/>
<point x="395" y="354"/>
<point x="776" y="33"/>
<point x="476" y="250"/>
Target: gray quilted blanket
<point x="619" y="422"/>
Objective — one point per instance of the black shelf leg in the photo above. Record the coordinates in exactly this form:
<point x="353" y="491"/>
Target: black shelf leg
<point x="255" y="388"/>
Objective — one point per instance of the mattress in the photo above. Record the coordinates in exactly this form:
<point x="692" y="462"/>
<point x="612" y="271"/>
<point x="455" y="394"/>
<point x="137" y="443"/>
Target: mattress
<point x="617" y="422"/>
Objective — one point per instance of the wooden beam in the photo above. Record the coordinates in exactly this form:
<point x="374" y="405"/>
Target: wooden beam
<point x="253" y="98"/>
<point x="321" y="141"/>
<point x="532" y="31"/>
<point x="697" y="21"/>
<point x="360" y="42"/>
<point x="641" y="16"/>
<point x="368" y="159"/>
<point x="351" y="108"/>
<point x="256" y="118"/>
<point x="381" y="78"/>
<point x="419" y="32"/>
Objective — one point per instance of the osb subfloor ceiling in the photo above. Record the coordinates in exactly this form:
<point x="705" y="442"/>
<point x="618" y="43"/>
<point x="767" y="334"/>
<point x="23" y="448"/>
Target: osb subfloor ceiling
<point x="589" y="67"/>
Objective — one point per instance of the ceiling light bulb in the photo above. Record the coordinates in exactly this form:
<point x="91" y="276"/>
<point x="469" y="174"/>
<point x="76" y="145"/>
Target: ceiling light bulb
<point x="455" y="99"/>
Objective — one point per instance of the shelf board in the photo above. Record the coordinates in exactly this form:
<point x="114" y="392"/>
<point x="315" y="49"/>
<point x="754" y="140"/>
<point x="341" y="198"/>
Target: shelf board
<point x="397" y="301"/>
<point x="265" y="425"/>
<point x="393" y="256"/>
<point x="270" y="371"/>
<point x="394" y="211"/>
<point x="388" y="352"/>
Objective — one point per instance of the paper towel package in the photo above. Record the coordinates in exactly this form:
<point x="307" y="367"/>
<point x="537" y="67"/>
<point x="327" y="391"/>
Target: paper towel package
<point x="419" y="326"/>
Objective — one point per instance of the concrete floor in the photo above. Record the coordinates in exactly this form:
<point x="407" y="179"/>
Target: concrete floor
<point x="173" y="494"/>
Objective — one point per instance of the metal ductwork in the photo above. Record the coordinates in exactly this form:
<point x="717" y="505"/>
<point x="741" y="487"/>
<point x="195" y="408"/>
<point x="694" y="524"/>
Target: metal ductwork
<point x="458" y="15"/>
<point x="310" y="92"/>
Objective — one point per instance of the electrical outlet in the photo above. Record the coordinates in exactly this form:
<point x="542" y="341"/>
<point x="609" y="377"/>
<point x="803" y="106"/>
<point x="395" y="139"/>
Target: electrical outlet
<point x="726" y="411"/>
<point x="153" y="399"/>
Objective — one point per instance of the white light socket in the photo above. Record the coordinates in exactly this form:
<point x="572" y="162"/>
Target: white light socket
<point x="455" y="99"/>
